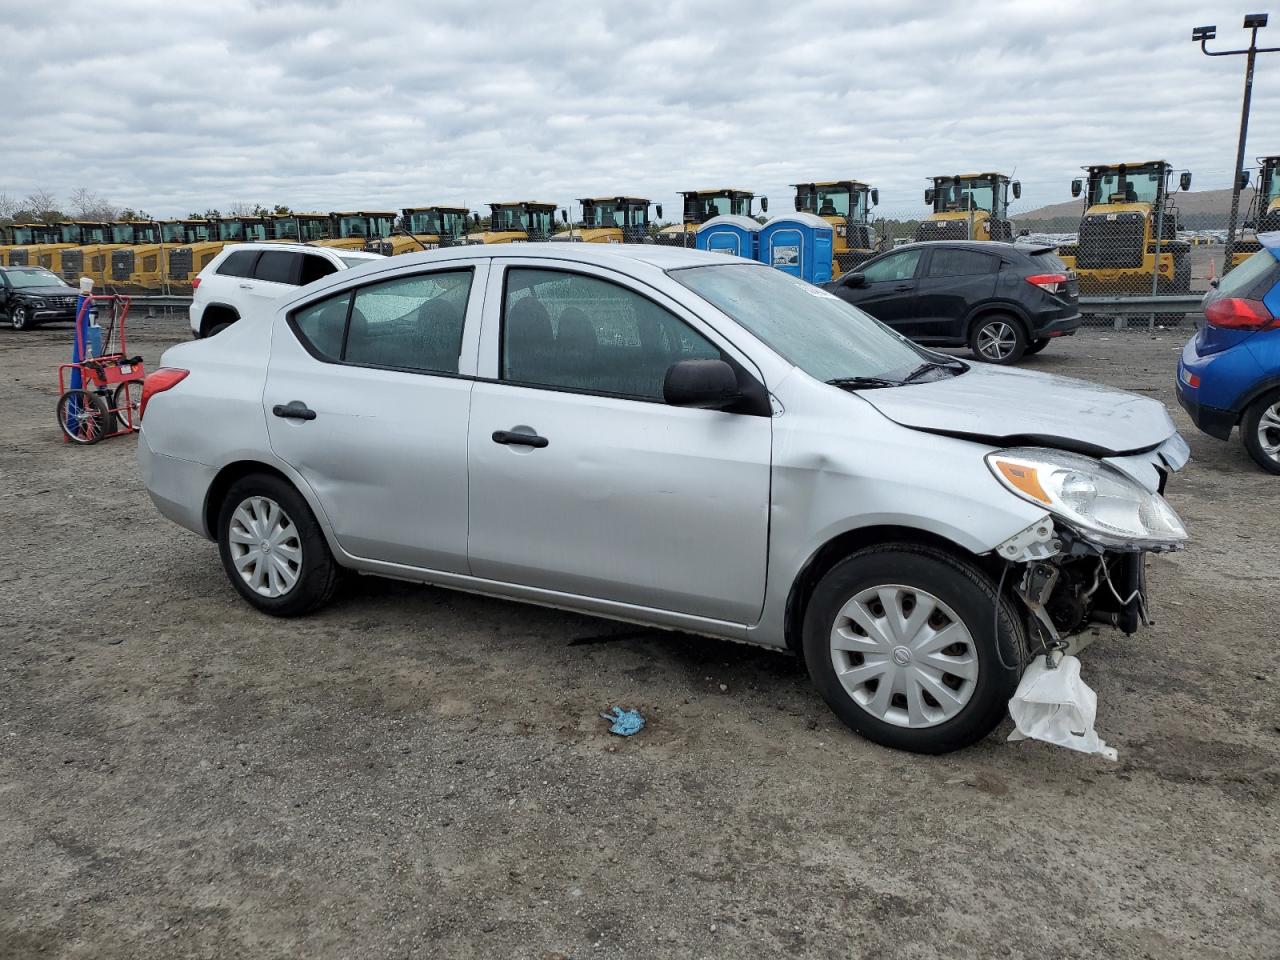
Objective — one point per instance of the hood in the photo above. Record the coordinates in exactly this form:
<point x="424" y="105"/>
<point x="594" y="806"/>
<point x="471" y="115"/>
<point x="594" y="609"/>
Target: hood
<point x="1007" y="406"/>
<point x="47" y="292"/>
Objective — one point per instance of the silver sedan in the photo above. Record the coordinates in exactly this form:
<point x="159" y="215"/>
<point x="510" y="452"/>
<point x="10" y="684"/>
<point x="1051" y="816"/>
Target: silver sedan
<point x="675" y="438"/>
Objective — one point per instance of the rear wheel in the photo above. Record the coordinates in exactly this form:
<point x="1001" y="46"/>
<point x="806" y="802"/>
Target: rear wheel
<point x="272" y="548"/>
<point x="1260" y="428"/>
<point x="998" y="338"/>
<point x="83" y="416"/>
<point x="1035" y="346"/>
<point x="901" y="641"/>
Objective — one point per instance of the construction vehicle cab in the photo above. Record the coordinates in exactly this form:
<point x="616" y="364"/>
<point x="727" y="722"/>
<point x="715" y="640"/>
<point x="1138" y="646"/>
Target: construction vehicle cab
<point x="611" y="220"/>
<point x="1264" y="210"/>
<point x="200" y="245"/>
<point x="846" y="205"/>
<point x="49" y="240"/>
<point x="22" y="238"/>
<point x="300" y="227"/>
<point x="969" y="206"/>
<point x="241" y="229"/>
<point x="701" y="205"/>
<point x="1128" y="239"/>
<point x="517" y="222"/>
<point x="423" y="228"/>
<point x="92" y="258"/>
<point x="145" y="265"/>
<point x="352" y="231"/>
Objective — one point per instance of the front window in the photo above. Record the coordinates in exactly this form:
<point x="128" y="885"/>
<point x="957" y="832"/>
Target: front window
<point x="122" y="234"/>
<point x="973" y="194"/>
<point x="638" y="215"/>
<point x="313" y="228"/>
<point x="353" y="227"/>
<point x="1135" y="185"/>
<point x="819" y="333"/>
<point x="540" y="222"/>
<point x="68" y="233"/>
<point x="171" y="233"/>
<point x="231" y="231"/>
<point x="33" y="278"/>
<point x="23" y="236"/>
<point x="1271" y="183"/>
<point x="425" y="223"/>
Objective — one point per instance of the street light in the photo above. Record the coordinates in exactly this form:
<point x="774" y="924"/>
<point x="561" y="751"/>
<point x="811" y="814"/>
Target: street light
<point x="1201" y="35"/>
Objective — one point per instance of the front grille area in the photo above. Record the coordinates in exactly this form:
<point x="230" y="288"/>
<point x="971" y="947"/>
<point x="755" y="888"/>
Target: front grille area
<point x="180" y="263"/>
<point x="943" y="230"/>
<point x="72" y="264"/>
<point x="1110" y="243"/>
<point x="121" y="266"/>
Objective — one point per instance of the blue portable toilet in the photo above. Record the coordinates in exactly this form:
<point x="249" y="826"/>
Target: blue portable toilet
<point x="799" y="244"/>
<point x="729" y="233"/>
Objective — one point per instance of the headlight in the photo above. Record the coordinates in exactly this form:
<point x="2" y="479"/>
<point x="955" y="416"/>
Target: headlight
<point x="1097" y="499"/>
<point x="37" y="304"/>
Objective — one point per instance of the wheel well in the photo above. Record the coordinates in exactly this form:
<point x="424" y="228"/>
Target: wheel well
<point x="222" y="483"/>
<point x="841" y="546"/>
<point x="993" y="310"/>
<point x="214" y="314"/>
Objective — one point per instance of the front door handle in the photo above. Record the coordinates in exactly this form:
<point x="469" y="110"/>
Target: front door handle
<point x="903" y="286"/>
<point x="293" y="410"/>
<point x="511" y="438"/>
<point x="246" y="286"/>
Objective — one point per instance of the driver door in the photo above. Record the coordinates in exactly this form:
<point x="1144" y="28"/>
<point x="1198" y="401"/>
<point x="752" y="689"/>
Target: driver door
<point x="888" y="292"/>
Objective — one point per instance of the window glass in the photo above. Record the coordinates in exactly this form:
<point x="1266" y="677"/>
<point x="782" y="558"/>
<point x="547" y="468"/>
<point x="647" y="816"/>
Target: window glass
<point x="238" y="264"/>
<point x="900" y="266"/>
<point x="960" y="263"/>
<point x="410" y="323"/>
<point x="314" y="267"/>
<point x="321" y="325"/>
<point x="277" y="266"/>
<point x="581" y="333"/>
<point x="1243" y="277"/>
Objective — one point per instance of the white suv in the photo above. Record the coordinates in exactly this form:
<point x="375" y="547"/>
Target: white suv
<point x="245" y="274"/>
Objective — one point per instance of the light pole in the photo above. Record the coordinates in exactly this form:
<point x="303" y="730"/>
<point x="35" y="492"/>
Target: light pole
<point x="1252" y="22"/>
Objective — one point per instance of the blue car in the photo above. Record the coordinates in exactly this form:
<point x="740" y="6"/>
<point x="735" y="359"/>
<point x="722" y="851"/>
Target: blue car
<point x="1229" y="372"/>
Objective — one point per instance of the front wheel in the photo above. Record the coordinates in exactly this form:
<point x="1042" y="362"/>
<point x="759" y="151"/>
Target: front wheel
<point x="901" y="642"/>
<point x="20" y="318"/>
<point x="998" y="339"/>
<point x="1260" y="429"/>
<point x="272" y="548"/>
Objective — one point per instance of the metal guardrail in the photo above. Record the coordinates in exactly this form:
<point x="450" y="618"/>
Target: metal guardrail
<point x="1129" y="306"/>
<point x="161" y="300"/>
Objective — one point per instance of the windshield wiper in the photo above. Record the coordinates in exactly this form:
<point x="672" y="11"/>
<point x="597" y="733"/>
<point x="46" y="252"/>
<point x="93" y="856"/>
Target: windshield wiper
<point x="863" y="383"/>
<point x="928" y="365"/>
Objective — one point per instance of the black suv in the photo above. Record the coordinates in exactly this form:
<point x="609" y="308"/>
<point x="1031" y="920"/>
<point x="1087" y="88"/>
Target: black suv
<point x="31" y="295"/>
<point x="1002" y="300"/>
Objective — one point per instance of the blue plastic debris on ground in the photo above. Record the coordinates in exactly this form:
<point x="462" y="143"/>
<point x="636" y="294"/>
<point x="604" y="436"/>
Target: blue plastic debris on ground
<point x="625" y="723"/>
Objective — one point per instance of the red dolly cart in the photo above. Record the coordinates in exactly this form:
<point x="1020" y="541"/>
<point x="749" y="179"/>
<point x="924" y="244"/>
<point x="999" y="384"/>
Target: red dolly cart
<point x="100" y="389"/>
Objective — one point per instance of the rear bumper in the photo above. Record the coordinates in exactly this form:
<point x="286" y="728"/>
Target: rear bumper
<point x="1057" y="327"/>
<point x="177" y="487"/>
<point x="1211" y="420"/>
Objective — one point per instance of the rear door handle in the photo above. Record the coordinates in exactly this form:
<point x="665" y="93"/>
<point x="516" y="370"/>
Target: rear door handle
<point x="246" y="286"/>
<point x="293" y="410"/>
<point x="511" y="438"/>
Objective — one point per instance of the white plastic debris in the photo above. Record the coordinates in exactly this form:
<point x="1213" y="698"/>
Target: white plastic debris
<point x="1053" y="704"/>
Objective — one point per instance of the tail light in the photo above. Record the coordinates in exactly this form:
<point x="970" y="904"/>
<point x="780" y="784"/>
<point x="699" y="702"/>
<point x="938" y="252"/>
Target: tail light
<point x="1235" y="313"/>
<point x="195" y="284"/>
<point x="166" y="378"/>
<point x="1050" y="282"/>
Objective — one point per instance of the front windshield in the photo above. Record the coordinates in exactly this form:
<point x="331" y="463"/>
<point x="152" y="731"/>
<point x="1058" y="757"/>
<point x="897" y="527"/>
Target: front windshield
<point x="819" y="333"/>
<point x="540" y="221"/>
<point x="171" y="232"/>
<point x="426" y="223"/>
<point x="1271" y="184"/>
<point x="33" y="278"/>
<point x="230" y="230"/>
<point x="603" y="215"/>
<point x="313" y="228"/>
<point x="23" y="236"/>
<point x="1136" y="185"/>
<point x="973" y="195"/>
<point x="834" y="201"/>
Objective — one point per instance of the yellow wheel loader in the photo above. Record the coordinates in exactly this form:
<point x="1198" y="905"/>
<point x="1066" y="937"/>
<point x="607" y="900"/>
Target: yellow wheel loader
<point x="517" y="221"/>
<point x="1264" y="210"/>
<point x="969" y="206"/>
<point x="300" y="227"/>
<point x="241" y="229"/>
<point x="18" y="238"/>
<point x="846" y="205"/>
<point x="200" y="245"/>
<point x="93" y="258"/>
<point x="610" y="220"/>
<point x="1129" y="231"/>
<point x="351" y="231"/>
<point x="701" y="205"/>
<point x="48" y="240"/>
<point x="144" y="266"/>
<point x="423" y="228"/>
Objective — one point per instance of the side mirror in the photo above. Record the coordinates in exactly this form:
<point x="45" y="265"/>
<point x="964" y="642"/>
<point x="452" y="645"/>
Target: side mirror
<point x="1077" y="187"/>
<point x="875" y="196"/>
<point x="704" y="384"/>
<point x="858" y="279"/>
<point x="799" y="203"/>
<point x="1017" y="189"/>
<point x="1214" y="283"/>
<point x="658" y="209"/>
<point x="1184" y="181"/>
<point x="928" y="197"/>
<point x="1244" y="179"/>
<point x="764" y="204"/>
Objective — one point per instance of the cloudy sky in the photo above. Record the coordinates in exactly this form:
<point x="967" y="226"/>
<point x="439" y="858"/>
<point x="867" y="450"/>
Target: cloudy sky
<point x="173" y="106"/>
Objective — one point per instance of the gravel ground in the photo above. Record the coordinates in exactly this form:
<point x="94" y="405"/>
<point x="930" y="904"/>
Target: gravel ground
<point x="415" y="772"/>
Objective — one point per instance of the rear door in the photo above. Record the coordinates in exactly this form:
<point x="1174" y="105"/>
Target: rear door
<point x="367" y="397"/>
<point x="889" y="291"/>
<point x="953" y="281"/>
<point x="275" y="273"/>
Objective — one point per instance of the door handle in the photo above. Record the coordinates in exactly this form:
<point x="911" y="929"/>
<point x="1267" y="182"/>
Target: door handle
<point x="246" y="286"/>
<point x="293" y="410"/>
<point x="903" y="286"/>
<point x="511" y="438"/>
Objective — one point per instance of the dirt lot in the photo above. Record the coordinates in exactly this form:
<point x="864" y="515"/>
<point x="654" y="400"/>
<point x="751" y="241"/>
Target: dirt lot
<point x="421" y="773"/>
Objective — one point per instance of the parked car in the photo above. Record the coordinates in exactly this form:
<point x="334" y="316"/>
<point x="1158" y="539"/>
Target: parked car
<point x="245" y="275"/>
<point x="1001" y="300"/>
<point x="1229" y="372"/>
<point x="34" y="295"/>
<point x="674" y="437"/>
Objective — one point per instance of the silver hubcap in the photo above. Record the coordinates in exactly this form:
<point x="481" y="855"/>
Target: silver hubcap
<point x="1269" y="431"/>
<point x="996" y="340"/>
<point x="19" y="318"/>
<point x="904" y="656"/>
<point x="265" y="547"/>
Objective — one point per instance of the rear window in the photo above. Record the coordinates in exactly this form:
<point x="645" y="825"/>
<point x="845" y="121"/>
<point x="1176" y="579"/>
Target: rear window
<point x="277" y="266"/>
<point x="1047" y="260"/>
<point x="1255" y="271"/>
<point x="239" y="264"/>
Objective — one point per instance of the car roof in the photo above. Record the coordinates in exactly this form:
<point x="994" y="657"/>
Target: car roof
<point x="991" y="246"/>
<point x="661" y="256"/>
<point x="300" y="248"/>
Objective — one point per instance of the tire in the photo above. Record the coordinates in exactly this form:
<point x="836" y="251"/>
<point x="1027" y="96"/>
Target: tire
<point x="998" y="338"/>
<point x="20" y="318"/>
<point x="298" y="574"/>
<point x="84" y="417"/>
<point x="1260" y="429"/>
<point x="1035" y="346"/>
<point x="963" y="709"/>
<point x="125" y="404"/>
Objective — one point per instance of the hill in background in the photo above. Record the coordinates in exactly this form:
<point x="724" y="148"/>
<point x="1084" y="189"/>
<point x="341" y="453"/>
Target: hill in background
<point x="1199" y="210"/>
